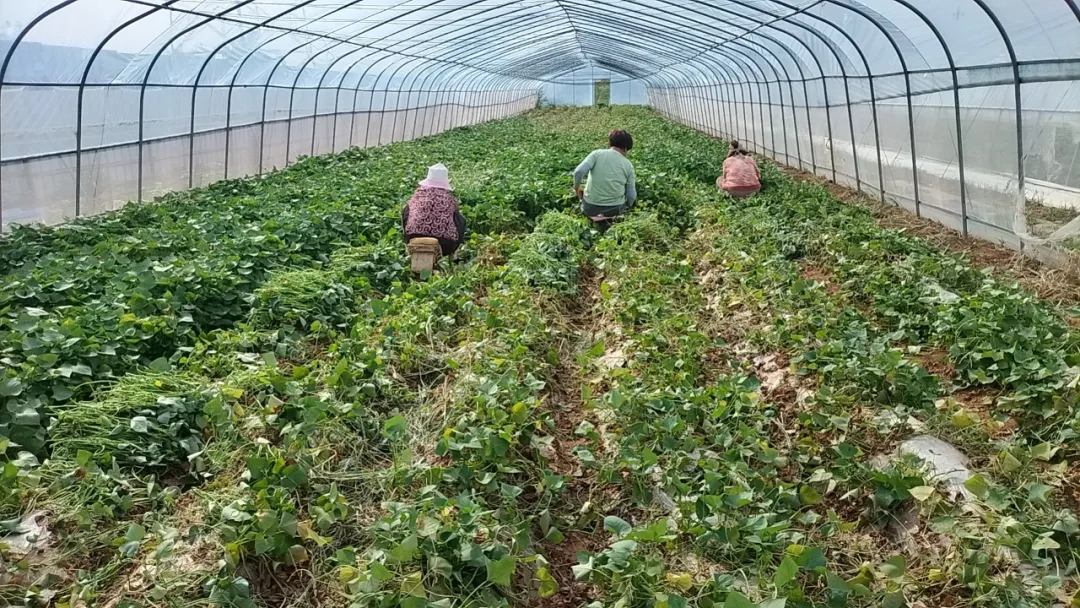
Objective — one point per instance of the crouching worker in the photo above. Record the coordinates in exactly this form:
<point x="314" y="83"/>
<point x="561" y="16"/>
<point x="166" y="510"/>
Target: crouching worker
<point x="611" y="187"/>
<point x="741" y="177"/>
<point x="432" y="223"/>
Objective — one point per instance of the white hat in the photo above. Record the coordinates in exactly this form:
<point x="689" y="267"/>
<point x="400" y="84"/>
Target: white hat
<point x="437" y="177"/>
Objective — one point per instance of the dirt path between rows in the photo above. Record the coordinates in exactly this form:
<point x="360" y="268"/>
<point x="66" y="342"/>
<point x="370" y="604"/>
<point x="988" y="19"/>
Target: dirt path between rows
<point x="568" y="410"/>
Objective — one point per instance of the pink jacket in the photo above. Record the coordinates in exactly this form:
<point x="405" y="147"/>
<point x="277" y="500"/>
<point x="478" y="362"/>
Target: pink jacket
<point x="740" y="173"/>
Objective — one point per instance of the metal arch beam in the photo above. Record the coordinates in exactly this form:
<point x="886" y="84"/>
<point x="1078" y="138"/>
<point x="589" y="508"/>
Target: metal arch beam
<point x="506" y="25"/>
<point x="359" y="47"/>
<point x="829" y="44"/>
<point x="299" y="72"/>
<point x="870" y="77"/>
<point x="514" y="30"/>
<point x="325" y="73"/>
<point x="684" y="21"/>
<point x="513" y="21"/>
<point x="210" y="57"/>
<point x="500" y="85"/>
<point x="956" y="106"/>
<point x="7" y="62"/>
<point x="769" y="25"/>
<point x="226" y="19"/>
<point x="911" y="116"/>
<point x="361" y="79"/>
<point x="150" y="70"/>
<point x="82" y="93"/>
<point x="739" y="53"/>
<point x="956" y="103"/>
<point x="873" y="96"/>
<point x="842" y="61"/>
<point x="515" y="64"/>
<point x="1020" y="177"/>
<point x="747" y="32"/>
<point x="248" y="23"/>
<point x="240" y="68"/>
<point x="837" y="53"/>
<point x="791" y="92"/>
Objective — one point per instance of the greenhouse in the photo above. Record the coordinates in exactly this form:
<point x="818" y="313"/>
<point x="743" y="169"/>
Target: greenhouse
<point x="479" y="303"/>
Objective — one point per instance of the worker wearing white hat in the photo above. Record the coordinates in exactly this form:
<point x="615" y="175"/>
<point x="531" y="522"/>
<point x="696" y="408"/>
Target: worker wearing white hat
<point x="433" y="212"/>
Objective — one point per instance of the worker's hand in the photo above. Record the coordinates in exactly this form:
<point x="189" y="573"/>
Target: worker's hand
<point x="580" y="193"/>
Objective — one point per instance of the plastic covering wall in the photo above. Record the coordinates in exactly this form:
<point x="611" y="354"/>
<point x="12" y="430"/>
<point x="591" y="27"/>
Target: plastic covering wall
<point x="961" y="112"/>
<point x="108" y="101"/>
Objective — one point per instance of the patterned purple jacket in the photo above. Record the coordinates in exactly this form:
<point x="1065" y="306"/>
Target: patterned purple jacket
<point x="431" y="214"/>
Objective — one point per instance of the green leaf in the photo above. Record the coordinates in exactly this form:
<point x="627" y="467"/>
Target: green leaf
<point x="808" y="495"/>
<point x="894" y="567"/>
<point x="617" y="526"/>
<point x="779" y="602"/>
<point x="394" y="428"/>
<point x="11" y="387"/>
<point x="1043" y="451"/>
<point x="977" y="485"/>
<point x="921" y="493"/>
<point x="140" y="424"/>
<point x="738" y="600"/>
<point x="413" y="585"/>
<point x="297" y="554"/>
<point x="500" y="571"/>
<point x="1045" y="542"/>
<point x="548" y="585"/>
<point x="161" y="364"/>
<point x="619" y="552"/>
<point x="270" y="359"/>
<point x="135" y="532"/>
<point x="406" y="550"/>
<point x="1038" y="492"/>
<point x="893" y="600"/>
<point x="440" y="566"/>
<point x="582" y="571"/>
<point x="812" y="558"/>
<point x="1010" y="463"/>
<point x="786" y="573"/>
<point x="380" y="572"/>
<point x="681" y="580"/>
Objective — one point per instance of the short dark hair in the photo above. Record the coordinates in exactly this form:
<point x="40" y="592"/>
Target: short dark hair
<point x="620" y="139"/>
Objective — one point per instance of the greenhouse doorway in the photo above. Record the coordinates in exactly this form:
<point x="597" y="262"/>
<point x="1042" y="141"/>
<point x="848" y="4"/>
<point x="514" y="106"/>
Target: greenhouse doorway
<point x="602" y="93"/>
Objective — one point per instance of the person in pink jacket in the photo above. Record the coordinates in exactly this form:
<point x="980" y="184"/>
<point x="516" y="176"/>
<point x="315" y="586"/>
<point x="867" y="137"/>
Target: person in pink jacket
<point x="741" y="177"/>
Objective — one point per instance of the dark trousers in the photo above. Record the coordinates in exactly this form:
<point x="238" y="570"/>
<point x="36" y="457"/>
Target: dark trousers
<point x="448" y="246"/>
<point x="610" y="213"/>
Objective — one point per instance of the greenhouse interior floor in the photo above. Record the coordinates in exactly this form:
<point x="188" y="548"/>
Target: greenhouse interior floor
<point x="240" y="395"/>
